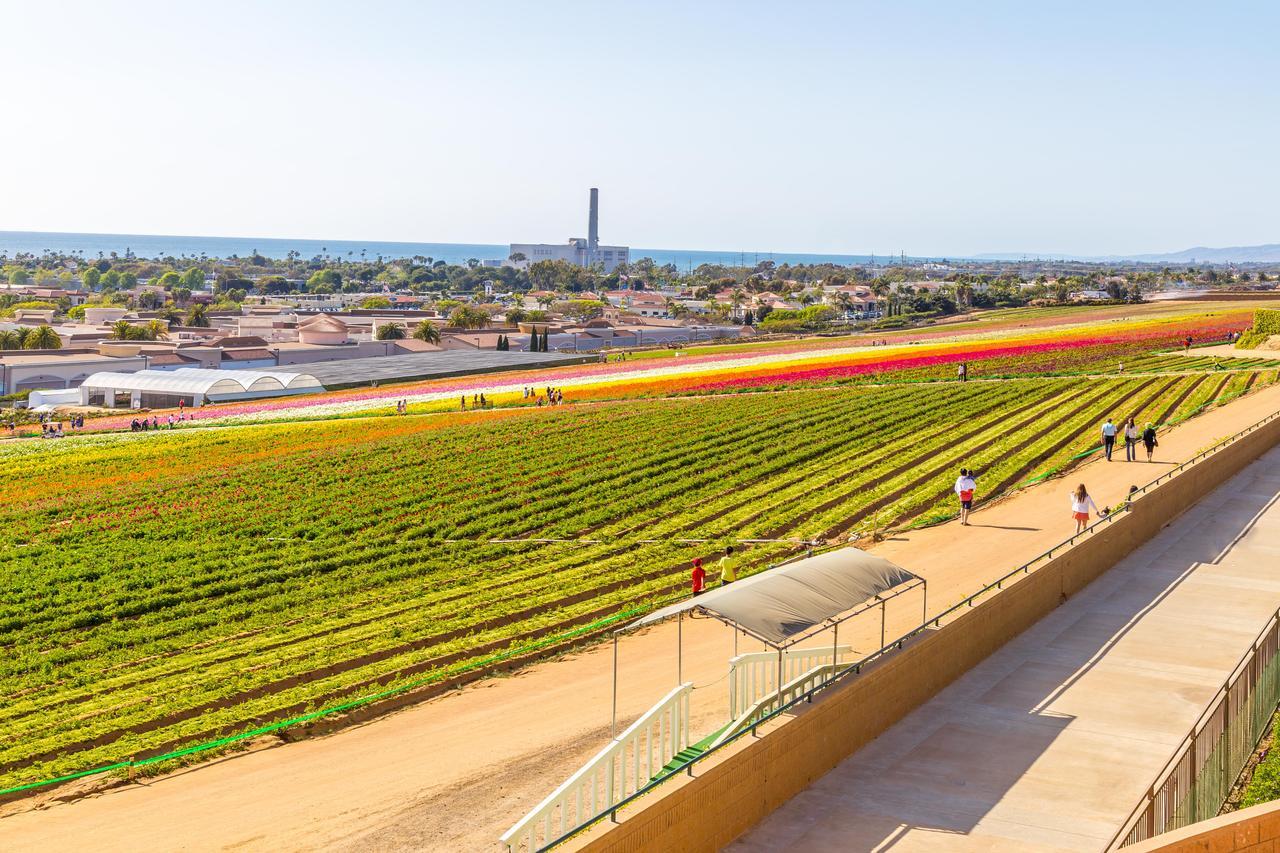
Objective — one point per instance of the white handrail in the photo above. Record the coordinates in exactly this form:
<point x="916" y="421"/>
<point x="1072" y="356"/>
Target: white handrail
<point x="755" y="674"/>
<point x="801" y="684"/>
<point x="617" y="771"/>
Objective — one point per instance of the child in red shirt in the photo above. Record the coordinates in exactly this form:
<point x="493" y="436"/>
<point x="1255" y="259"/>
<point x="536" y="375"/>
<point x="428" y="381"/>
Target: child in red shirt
<point x="699" y="577"/>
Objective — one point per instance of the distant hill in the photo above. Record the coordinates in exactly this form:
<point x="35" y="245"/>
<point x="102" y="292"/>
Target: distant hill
<point x="1267" y="253"/>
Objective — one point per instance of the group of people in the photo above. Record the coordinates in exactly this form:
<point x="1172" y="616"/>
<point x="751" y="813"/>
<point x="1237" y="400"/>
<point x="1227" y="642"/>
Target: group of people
<point x="1082" y="504"/>
<point x="1132" y="436"/>
<point x="727" y="567"/>
<point x="145" y="424"/>
<point x="402" y="406"/>
<point x="478" y="401"/>
<point x="554" y="397"/>
<point x="49" y="428"/>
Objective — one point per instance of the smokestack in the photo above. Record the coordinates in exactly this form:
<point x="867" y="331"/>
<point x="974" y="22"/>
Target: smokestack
<point x="593" y="222"/>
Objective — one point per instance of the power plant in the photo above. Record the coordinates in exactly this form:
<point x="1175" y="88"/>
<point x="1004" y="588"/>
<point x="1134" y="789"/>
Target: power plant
<point x="577" y="250"/>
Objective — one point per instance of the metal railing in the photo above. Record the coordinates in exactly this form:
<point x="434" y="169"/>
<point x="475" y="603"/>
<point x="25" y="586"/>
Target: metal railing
<point x="800" y="685"/>
<point x="625" y="765"/>
<point x="1195" y="782"/>
<point x="755" y="674"/>
<point x="932" y="622"/>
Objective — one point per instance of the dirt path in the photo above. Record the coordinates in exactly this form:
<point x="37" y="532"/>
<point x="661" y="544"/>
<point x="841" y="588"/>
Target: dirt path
<point x="453" y="773"/>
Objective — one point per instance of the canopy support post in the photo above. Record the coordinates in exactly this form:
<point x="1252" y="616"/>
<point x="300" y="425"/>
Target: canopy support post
<point x="835" y="645"/>
<point x="613" y="723"/>
<point x="779" y="679"/>
<point x="680" y="648"/>
<point x="882" y="618"/>
<point x="924" y="606"/>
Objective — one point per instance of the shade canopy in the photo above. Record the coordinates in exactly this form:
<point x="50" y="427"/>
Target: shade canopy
<point x="782" y="603"/>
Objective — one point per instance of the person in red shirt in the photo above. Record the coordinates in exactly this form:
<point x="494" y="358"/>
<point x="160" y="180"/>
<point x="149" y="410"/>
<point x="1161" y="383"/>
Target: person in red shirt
<point x="966" y="484"/>
<point x="699" y="577"/>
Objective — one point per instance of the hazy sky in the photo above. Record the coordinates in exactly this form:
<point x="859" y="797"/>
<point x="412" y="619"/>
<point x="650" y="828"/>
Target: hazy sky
<point x="935" y="128"/>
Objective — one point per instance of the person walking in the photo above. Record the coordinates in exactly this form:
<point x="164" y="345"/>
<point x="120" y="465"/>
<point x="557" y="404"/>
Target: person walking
<point x="965" y="486"/>
<point x="1131" y="437"/>
<point x="962" y="372"/>
<point x="699" y="577"/>
<point x="1149" y="439"/>
<point x="1108" y="438"/>
<point x="1081" y="504"/>
<point x="728" y="568"/>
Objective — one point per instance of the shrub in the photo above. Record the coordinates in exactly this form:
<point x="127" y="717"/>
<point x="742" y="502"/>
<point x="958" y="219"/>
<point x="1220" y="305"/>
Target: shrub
<point x="1266" y="322"/>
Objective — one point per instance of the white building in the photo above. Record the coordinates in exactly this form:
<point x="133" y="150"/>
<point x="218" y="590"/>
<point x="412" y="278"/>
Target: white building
<point x="577" y="250"/>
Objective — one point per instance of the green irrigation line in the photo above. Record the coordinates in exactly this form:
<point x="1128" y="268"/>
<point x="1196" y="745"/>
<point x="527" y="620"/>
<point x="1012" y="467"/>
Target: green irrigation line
<point x="332" y="709"/>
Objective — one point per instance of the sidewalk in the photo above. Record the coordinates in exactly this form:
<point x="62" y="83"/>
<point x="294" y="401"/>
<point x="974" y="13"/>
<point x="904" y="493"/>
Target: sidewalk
<point x="1051" y="742"/>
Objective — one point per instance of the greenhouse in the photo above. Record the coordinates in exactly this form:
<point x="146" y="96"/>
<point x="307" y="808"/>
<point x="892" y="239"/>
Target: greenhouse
<point x="190" y="386"/>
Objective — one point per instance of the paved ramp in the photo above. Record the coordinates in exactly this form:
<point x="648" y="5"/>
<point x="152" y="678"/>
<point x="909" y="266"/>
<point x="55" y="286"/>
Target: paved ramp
<point x="1051" y="742"/>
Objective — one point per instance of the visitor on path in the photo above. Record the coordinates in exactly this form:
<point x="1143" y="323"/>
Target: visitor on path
<point x="1131" y="437"/>
<point x="1081" y="504"/>
<point x="464" y="402"/>
<point x="962" y="372"/>
<point x="728" y="569"/>
<point x="1108" y="438"/>
<point x="965" y="487"/>
<point x="699" y="577"/>
<point x="1186" y="345"/>
<point x="1149" y="439"/>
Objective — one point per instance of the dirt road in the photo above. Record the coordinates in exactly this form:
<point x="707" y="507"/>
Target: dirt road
<point x="453" y="773"/>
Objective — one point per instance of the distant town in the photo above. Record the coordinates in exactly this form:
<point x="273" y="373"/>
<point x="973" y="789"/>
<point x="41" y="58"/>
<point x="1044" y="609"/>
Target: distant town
<point x="65" y="318"/>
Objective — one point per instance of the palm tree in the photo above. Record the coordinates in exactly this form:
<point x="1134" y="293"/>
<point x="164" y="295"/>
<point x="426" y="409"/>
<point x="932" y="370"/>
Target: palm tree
<point x="157" y="330"/>
<point x="42" y="337"/>
<point x="198" y="316"/>
<point x="845" y="301"/>
<point x="10" y="340"/>
<point x="428" y="332"/>
<point x="123" y="330"/>
<point x="391" y="332"/>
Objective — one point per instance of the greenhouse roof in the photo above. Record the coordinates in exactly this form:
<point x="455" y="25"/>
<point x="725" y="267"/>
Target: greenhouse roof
<point x="205" y="382"/>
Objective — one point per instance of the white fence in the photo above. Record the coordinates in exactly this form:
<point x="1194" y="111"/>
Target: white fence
<point x="798" y="686"/>
<point x="755" y="674"/>
<point x="617" y="771"/>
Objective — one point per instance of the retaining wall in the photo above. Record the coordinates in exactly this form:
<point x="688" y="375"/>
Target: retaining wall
<point x="1253" y="830"/>
<point x="731" y="793"/>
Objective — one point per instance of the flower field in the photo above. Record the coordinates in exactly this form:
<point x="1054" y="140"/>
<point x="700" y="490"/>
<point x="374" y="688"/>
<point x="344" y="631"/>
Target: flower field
<point x="1122" y="344"/>
<point x="170" y="588"/>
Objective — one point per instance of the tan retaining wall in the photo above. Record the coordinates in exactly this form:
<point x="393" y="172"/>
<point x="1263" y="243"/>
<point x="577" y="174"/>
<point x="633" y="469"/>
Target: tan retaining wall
<point x="1253" y="830"/>
<point x="731" y="793"/>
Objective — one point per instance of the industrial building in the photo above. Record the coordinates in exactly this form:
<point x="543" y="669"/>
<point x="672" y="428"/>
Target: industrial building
<point x="580" y="251"/>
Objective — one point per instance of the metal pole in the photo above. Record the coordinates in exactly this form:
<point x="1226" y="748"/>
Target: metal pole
<point x="882" y="604"/>
<point x="924" y="607"/>
<point x="613" y="724"/>
<point x="779" y="678"/>
<point x="835" y="640"/>
<point x="680" y="647"/>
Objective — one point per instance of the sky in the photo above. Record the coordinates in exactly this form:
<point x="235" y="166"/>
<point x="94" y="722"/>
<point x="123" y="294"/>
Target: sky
<point x="933" y="128"/>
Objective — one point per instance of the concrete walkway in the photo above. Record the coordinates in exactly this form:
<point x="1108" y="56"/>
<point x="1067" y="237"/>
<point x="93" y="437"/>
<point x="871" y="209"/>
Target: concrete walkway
<point x="1051" y="742"/>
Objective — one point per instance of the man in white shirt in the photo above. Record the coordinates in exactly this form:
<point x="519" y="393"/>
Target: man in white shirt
<point x="965" y="487"/>
<point x="1108" y="438"/>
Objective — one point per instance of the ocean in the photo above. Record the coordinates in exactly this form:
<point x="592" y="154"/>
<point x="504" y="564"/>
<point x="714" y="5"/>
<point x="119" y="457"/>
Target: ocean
<point x="161" y="246"/>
